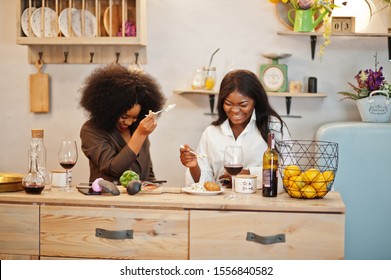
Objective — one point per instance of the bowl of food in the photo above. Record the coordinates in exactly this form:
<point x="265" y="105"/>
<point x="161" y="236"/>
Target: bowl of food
<point x="307" y="168"/>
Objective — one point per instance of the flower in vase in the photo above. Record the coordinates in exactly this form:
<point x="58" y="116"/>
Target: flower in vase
<point x="367" y="81"/>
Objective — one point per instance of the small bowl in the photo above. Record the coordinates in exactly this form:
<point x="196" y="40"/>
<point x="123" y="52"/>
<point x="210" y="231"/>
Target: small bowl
<point x="34" y="189"/>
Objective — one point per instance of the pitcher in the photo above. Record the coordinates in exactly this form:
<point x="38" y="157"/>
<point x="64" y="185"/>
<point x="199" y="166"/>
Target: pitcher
<point x="304" y="20"/>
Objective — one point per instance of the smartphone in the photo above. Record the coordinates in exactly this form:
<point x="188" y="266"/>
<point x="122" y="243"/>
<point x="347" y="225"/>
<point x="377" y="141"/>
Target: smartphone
<point x="88" y="191"/>
<point x="85" y="188"/>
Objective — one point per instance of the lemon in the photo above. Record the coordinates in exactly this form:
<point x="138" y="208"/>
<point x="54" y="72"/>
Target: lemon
<point x="274" y="1"/>
<point x="308" y="191"/>
<point x="209" y="83"/>
<point x="310" y="175"/>
<point x="285" y="182"/>
<point x="295" y="193"/>
<point x="291" y="170"/>
<point x="319" y="182"/>
<point x="296" y="182"/>
<point x="328" y="175"/>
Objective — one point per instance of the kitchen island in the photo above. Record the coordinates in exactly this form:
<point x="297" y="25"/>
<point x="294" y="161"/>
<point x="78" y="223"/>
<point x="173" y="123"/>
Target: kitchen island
<point x="169" y="224"/>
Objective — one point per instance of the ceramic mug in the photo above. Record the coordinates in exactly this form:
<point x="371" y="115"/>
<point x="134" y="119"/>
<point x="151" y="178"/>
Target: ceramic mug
<point x="245" y="183"/>
<point x="59" y="178"/>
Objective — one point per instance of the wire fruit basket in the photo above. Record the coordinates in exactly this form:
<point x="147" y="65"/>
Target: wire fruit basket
<point x="307" y="168"/>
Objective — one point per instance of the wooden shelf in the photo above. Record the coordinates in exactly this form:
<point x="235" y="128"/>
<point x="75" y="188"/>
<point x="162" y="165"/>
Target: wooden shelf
<point x="343" y="34"/>
<point x="196" y="91"/>
<point x="288" y="99"/>
<point x="102" y="49"/>
<point x="302" y="95"/>
<point x="210" y="93"/>
<point x="313" y="37"/>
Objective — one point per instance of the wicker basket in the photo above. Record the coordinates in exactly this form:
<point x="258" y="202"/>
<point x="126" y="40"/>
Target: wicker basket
<point x="308" y="168"/>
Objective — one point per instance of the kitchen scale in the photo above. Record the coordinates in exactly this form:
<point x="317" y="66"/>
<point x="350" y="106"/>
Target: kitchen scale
<point x="274" y="76"/>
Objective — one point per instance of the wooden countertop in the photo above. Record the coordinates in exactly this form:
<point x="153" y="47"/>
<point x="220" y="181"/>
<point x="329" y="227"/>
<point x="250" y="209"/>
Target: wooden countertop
<point x="173" y="198"/>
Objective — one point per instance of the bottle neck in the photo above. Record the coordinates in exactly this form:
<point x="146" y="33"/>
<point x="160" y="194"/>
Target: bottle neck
<point x="270" y="141"/>
<point x="33" y="162"/>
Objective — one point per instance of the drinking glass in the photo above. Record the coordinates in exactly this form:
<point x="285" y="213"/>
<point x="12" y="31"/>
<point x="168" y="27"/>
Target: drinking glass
<point x="67" y="157"/>
<point x="233" y="164"/>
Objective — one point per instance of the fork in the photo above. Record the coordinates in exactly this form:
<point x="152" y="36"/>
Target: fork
<point x="194" y="153"/>
<point x="168" y="109"/>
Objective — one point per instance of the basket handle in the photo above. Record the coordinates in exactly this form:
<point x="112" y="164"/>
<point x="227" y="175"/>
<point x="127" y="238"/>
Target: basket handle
<point x="370" y="100"/>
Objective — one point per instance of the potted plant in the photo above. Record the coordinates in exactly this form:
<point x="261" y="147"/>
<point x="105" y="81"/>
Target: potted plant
<point x="370" y="83"/>
<point x="307" y="16"/>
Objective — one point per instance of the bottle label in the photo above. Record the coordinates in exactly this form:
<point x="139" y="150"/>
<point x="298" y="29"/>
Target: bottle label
<point x="266" y="178"/>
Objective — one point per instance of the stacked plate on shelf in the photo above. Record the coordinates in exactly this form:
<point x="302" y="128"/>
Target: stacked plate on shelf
<point x="50" y="19"/>
<point x="74" y="29"/>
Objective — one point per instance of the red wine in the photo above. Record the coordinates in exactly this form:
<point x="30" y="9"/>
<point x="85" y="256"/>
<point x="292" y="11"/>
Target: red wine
<point x="33" y="189"/>
<point x="233" y="169"/>
<point x="68" y="164"/>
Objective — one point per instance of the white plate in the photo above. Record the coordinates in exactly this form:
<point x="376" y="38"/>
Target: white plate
<point x="89" y="24"/>
<point x="206" y="193"/>
<point x="50" y="22"/>
<point x="25" y="20"/>
<point x="63" y="21"/>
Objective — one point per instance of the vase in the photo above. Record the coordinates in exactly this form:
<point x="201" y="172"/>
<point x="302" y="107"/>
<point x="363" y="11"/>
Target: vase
<point x="375" y="108"/>
<point x="305" y="20"/>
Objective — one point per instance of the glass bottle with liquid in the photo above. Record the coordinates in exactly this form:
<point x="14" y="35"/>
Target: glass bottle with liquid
<point x="33" y="182"/>
<point x="37" y="137"/>
<point x="270" y="169"/>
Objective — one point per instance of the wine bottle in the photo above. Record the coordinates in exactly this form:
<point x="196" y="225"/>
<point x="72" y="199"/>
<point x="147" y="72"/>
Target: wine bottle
<point x="270" y="169"/>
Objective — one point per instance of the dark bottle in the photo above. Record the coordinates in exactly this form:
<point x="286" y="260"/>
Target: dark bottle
<point x="270" y="169"/>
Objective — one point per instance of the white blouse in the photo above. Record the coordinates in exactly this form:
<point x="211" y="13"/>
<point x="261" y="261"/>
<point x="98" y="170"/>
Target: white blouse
<point x="214" y="139"/>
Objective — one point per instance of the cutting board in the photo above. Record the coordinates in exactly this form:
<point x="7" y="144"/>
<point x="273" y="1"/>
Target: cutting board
<point x="39" y="90"/>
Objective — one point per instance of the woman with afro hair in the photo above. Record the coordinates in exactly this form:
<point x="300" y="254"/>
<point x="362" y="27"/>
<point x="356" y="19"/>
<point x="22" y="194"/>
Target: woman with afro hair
<point x="120" y="104"/>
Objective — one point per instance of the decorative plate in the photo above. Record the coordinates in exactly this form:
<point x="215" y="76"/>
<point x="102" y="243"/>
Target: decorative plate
<point x="63" y="22"/>
<point x="190" y="190"/>
<point x="90" y="29"/>
<point x="50" y="22"/>
<point x="25" y="20"/>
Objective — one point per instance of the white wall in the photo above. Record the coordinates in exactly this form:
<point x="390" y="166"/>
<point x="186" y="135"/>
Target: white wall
<point x="182" y="34"/>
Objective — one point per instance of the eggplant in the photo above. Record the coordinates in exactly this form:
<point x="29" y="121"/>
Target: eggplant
<point x="133" y="187"/>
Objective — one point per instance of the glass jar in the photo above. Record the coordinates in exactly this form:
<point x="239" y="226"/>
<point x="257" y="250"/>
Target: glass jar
<point x="198" y="81"/>
<point x="210" y="77"/>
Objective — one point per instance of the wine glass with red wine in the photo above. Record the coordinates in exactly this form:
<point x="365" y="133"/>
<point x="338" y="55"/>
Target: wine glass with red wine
<point x="67" y="157"/>
<point x="233" y="164"/>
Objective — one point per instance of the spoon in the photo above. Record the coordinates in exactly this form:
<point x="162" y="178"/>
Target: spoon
<point x="168" y="109"/>
<point x="194" y="153"/>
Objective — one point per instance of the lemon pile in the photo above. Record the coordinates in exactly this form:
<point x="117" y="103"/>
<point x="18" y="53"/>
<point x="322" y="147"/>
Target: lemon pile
<point x="311" y="183"/>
